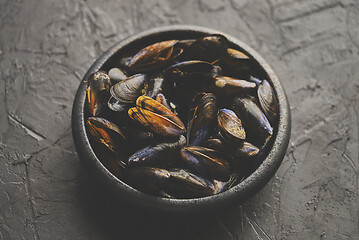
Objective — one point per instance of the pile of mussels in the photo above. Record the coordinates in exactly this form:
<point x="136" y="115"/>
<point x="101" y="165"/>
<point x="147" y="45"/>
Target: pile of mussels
<point x="178" y="120"/>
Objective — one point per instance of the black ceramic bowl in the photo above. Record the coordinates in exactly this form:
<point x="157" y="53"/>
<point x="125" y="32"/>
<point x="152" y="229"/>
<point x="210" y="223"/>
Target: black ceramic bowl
<point x="126" y="193"/>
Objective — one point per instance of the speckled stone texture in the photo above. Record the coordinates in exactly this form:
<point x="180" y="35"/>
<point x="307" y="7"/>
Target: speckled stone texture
<point x="47" y="46"/>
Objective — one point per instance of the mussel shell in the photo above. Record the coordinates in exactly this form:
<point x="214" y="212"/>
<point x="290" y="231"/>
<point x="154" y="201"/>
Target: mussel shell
<point x="125" y="93"/>
<point x="155" y="86"/>
<point x="202" y="118"/>
<point x="232" y="86"/>
<point x="207" y="162"/>
<point x="157" y="155"/>
<point x="153" y="56"/>
<point x="105" y="132"/>
<point x="99" y="81"/>
<point x="209" y="48"/>
<point x="189" y="70"/>
<point x="268" y="101"/>
<point x="162" y="99"/>
<point x="148" y="179"/>
<point x="116" y="75"/>
<point x="241" y="151"/>
<point x="254" y="119"/>
<point x="97" y="92"/>
<point x="236" y="60"/>
<point x="184" y="184"/>
<point x="257" y="81"/>
<point x="128" y="90"/>
<point x="156" y="117"/>
<point x="230" y="126"/>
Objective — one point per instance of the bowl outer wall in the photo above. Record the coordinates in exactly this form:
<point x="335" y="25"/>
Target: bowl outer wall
<point x="235" y="195"/>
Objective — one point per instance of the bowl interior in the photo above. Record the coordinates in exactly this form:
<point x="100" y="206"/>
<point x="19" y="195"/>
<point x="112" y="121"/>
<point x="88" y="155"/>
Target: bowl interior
<point x="238" y="193"/>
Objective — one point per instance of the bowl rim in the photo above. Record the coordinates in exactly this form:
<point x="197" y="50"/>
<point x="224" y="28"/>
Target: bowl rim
<point x="236" y="194"/>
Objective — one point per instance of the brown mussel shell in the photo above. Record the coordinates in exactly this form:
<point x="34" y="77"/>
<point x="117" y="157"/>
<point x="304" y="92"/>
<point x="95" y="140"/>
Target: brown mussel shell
<point x="202" y="118"/>
<point x="156" y="117"/>
<point x="236" y="60"/>
<point x="162" y="99"/>
<point x="105" y="132"/>
<point x="153" y="56"/>
<point x="268" y="101"/>
<point x="230" y="126"/>
<point x="207" y="162"/>
<point x="97" y="91"/>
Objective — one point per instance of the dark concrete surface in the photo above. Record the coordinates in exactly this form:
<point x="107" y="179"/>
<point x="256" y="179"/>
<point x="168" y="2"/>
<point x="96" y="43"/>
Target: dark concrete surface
<point x="47" y="46"/>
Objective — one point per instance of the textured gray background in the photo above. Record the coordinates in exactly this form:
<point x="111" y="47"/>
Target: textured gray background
<point x="47" y="46"/>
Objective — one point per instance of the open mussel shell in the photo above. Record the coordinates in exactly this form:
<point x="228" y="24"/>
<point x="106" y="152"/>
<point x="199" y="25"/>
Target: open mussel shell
<point x="268" y="101"/>
<point x="148" y="179"/>
<point x="207" y="162"/>
<point x="230" y="126"/>
<point x="209" y="48"/>
<point x="154" y="56"/>
<point x="125" y="93"/>
<point x="202" y="118"/>
<point x="156" y="117"/>
<point x="97" y="92"/>
<point x="161" y="154"/>
<point x="105" y="132"/>
<point x="254" y="119"/>
<point x="184" y="184"/>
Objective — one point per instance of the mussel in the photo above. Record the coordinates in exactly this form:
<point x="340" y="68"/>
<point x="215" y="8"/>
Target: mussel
<point x="207" y="162"/>
<point x="236" y="60"/>
<point x="157" y="155"/>
<point x="254" y="119"/>
<point x="202" y="118"/>
<point x="97" y="91"/>
<point x="116" y="75"/>
<point x="191" y="70"/>
<point x="154" y="56"/>
<point x="156" y="117"/>
<point x="105" y="132"/>
<point x="125" y="93"/>
<point x="240" y="151"/>
<point x="184" y="184"/>
<point x="148" y="179"/>
<point x="209" y="48"/>
<point x="268" y="101"/>
<point x="230" y="126"/>
<point x="162" y="99"/>
<point x="231" y="86"/>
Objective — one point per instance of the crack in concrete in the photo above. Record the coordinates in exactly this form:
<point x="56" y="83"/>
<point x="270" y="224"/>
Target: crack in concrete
<point x="30" y="131"/>
<point x="314" y="11"/>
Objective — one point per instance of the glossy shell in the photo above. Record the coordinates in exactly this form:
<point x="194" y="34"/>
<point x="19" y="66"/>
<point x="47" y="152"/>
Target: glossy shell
<point x="156" y="117"/>
<point x="207" y="162"/>
<point x="202" y="118"/>
<point x="230" y="126"/>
